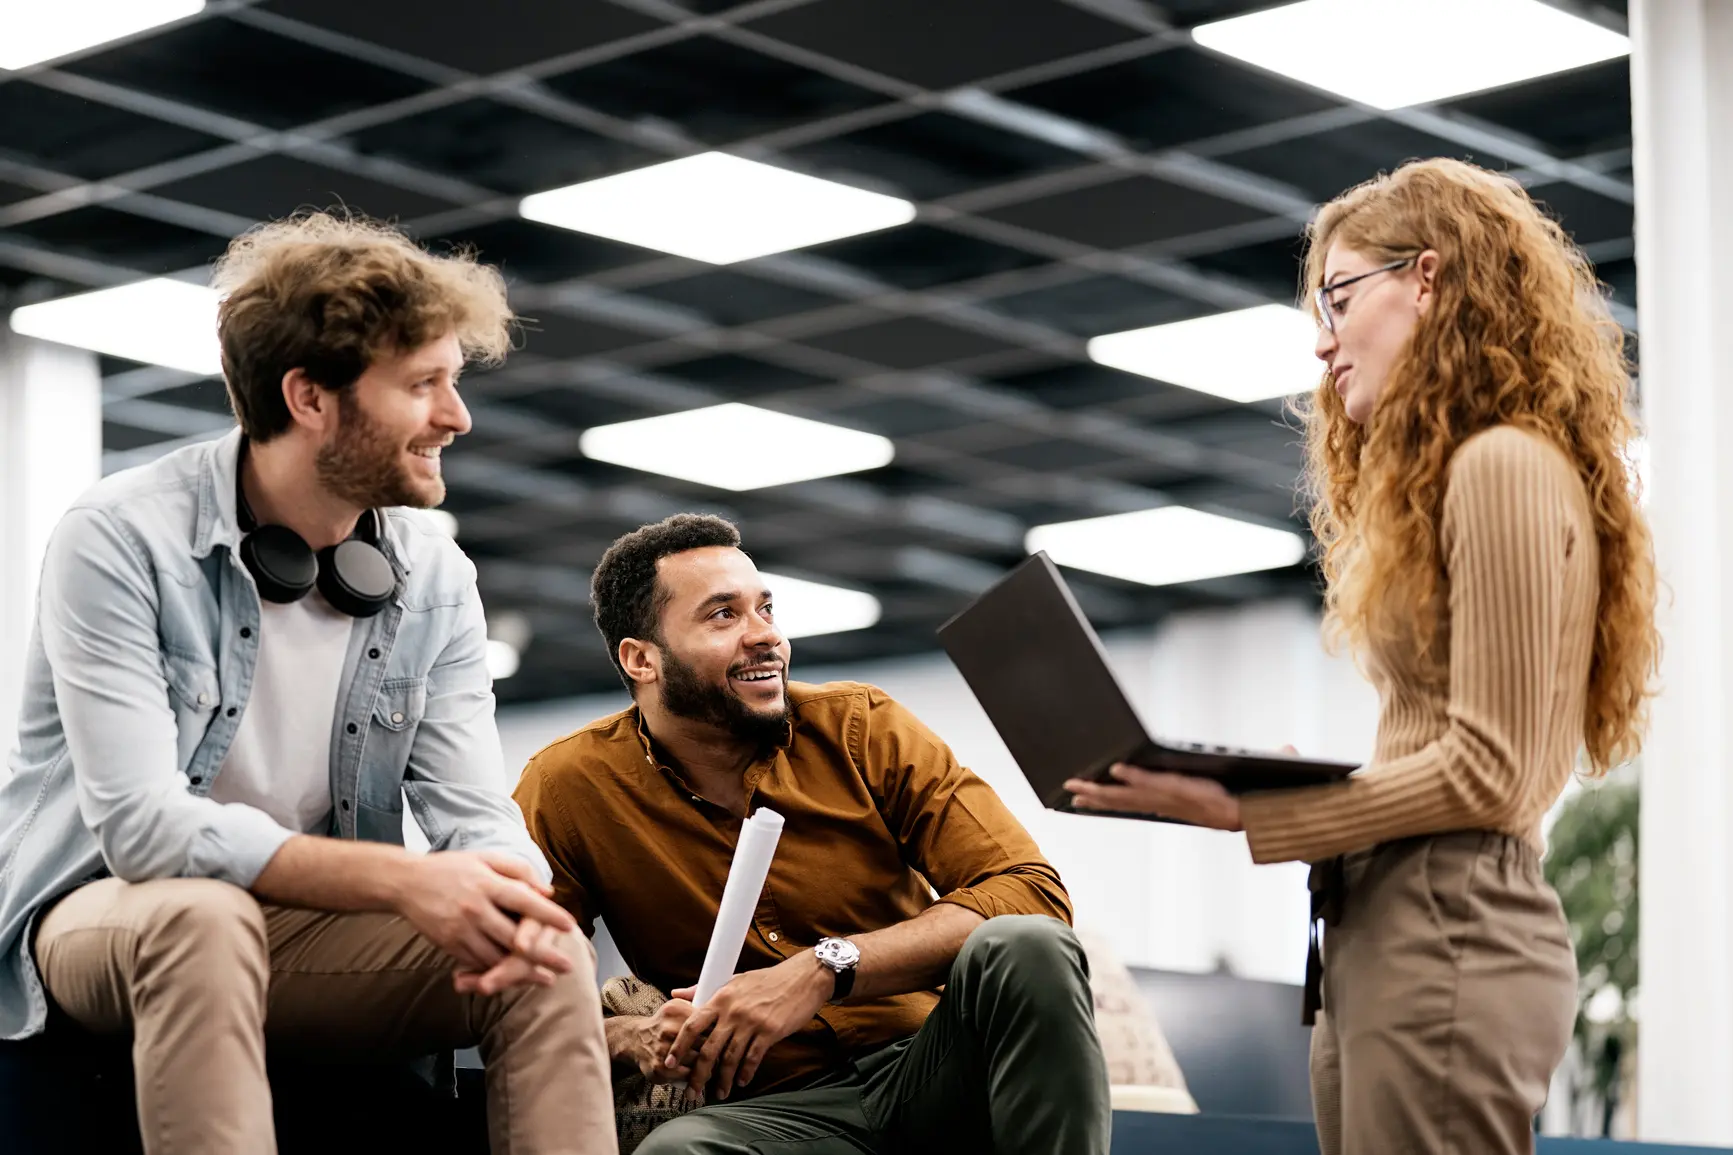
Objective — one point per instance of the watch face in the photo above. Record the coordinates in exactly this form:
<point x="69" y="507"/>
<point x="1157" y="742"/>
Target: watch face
<point x="838" y="953"/>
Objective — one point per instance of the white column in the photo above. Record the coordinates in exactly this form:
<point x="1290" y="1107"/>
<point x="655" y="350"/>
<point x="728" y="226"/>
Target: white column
<point x="1682" y="103"/>
<point x="50" y="452"/>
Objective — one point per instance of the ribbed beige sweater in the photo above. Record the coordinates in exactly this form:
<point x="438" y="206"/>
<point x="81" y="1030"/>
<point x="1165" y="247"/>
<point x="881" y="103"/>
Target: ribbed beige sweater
<point x="1488" y="738"/>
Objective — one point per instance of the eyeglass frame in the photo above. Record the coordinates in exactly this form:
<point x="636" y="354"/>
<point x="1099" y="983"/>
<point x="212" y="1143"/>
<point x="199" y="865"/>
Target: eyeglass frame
<point x="1321" y="296"/>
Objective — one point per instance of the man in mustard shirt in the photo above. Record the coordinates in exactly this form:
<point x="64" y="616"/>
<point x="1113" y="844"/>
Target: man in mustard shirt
<point x="834" y="1033"/>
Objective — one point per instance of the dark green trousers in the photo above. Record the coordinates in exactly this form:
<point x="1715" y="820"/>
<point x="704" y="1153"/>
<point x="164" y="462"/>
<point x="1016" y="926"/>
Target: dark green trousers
<point x="1008" y="1063"/>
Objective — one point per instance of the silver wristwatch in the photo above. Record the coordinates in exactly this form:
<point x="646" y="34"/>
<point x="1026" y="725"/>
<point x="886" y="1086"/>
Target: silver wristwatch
<point x="841" y="956"/>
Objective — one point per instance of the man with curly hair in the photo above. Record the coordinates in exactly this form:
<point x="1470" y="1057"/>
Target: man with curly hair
<point x="247" y="654"/>
<point x="898" y="873"/>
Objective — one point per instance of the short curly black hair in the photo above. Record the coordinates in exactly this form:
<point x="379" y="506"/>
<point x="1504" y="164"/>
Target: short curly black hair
<point x="624" y="592"/>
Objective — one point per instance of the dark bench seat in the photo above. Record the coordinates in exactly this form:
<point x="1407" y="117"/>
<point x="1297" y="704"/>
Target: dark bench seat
<point x="1143" y="1134"/>
<point x="69" y="1092"/>
<point x="74" y="1093"/>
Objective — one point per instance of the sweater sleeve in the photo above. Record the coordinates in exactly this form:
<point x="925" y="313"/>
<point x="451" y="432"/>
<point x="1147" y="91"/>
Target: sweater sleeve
<point x="1507" y="533"/>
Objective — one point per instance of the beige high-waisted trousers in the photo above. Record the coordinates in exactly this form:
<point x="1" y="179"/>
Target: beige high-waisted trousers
<point x="1449" y="993"/>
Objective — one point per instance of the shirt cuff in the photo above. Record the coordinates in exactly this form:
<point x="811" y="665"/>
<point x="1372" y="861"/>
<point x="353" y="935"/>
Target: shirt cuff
<point x="1000" y="896"/>
<point x="236" y="845"/>
<point x="508" y="842"/>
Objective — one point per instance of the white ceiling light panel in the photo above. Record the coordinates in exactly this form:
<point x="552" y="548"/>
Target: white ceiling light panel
<point x="1167" y="546"/>
<point x="736" y="447"/>
<point x="508" y="636"/>
<point x="717" y="208"/>
<point x="1397" y="53"/>
<point x="159" y="322"/>
<point x="804" y="609"/>
<point x="31" y="32"/>
<point x="1245" y="355"/>
<point x="503" y="659"/>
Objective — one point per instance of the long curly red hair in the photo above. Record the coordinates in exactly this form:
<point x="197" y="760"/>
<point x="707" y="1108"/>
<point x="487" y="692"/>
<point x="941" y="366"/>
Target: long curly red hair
<point x="1519" y="334"/>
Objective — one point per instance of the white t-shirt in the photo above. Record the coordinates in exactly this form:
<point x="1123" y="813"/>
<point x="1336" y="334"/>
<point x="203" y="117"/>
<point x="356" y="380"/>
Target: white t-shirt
<point x="281" y="758"/>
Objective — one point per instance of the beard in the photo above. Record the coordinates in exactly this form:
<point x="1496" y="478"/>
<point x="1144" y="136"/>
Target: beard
<point x="686" y="695"/>
<point x="363" y="464"/>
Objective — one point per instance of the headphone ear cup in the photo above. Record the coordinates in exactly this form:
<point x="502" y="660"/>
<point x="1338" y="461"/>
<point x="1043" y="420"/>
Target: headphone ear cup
<point x="282" y="565"/>
<point x="356" y="578"/>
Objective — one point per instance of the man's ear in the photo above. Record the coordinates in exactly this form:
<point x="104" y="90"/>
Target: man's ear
<point x="641" y="660"/>
<point x="310" y="404"/>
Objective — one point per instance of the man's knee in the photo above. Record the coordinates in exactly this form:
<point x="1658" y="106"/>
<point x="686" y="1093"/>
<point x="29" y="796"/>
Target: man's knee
<point x="1032" y="944"/>
<point x="574" y="990"/>
<point x="583" y="954"/>
<point x="582" y="976"/>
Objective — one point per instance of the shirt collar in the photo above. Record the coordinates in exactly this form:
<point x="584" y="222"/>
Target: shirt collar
<point x="643" y="735"/>
<point x="218" y="521"/>
<point x="654" y="759"/>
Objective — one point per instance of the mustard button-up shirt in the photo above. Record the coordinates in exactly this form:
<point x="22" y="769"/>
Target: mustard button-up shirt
<point x="879" y="818"/>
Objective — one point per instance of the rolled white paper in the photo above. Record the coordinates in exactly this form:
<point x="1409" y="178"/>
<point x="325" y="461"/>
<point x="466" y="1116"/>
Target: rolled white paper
<point x="746" y="874"/>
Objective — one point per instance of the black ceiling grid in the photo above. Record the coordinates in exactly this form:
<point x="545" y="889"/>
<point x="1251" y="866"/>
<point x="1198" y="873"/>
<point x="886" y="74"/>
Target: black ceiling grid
<point x="1079" y="167"/>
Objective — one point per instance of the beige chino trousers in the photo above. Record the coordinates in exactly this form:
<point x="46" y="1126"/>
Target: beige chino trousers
<point x="203" y="975"/>
<point x="1449" y="995"/>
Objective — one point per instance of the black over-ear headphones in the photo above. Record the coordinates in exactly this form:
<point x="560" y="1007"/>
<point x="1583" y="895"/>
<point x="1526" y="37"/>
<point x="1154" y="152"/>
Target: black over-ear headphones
<point x="354" y="575"/>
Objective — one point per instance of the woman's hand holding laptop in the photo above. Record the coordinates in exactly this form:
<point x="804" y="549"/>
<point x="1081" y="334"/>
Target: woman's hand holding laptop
<point x="1199" y="801"/>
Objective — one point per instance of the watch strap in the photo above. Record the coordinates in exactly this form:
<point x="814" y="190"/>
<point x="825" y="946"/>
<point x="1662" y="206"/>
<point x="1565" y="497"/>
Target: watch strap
<point x="844" y="984"/>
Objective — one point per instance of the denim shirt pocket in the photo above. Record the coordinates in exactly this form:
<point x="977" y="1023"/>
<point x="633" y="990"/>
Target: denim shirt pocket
<point x="195" y="694"/>
<point x="400" y="704"/>
<point x="397" y="711"/>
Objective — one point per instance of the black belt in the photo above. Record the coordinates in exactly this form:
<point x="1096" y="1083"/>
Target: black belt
<point x="1327" y="882"/>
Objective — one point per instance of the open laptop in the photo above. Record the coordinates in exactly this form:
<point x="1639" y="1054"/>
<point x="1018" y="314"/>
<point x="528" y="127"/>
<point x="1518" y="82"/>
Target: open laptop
<point x="1038" y="668"/>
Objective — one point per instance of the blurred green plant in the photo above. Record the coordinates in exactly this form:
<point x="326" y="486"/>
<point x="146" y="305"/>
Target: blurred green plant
<point x="1592" y="863"/>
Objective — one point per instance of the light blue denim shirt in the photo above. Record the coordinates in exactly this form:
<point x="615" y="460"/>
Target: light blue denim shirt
<point x="139" y="668"/>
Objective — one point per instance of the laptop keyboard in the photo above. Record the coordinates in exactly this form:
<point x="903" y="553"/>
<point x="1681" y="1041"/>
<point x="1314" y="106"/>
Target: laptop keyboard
<point x="1230" y="751"/>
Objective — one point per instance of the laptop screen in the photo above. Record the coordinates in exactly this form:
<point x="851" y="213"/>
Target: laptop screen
<point x="1040" y="672"/>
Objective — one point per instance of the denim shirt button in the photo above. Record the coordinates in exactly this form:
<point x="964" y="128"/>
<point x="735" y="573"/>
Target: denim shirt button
<point x="351" y="727"/>
<point x="397" y="718"/>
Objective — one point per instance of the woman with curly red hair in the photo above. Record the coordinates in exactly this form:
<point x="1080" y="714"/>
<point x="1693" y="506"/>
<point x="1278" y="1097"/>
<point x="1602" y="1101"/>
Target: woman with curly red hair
<point x="1485" y="559"/>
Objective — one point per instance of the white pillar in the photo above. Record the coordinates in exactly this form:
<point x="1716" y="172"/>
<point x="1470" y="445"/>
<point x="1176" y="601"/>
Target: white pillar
<point x="50" y="452"/>
<point x="1682" y="104"/>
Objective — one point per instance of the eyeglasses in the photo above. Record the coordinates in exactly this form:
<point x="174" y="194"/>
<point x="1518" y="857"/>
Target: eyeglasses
<point x="1326" y="317"/>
